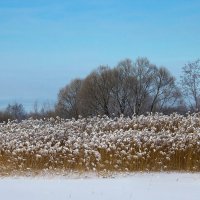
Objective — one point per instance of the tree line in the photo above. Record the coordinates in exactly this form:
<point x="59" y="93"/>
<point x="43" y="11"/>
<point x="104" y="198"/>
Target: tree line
<point x="129" y="88"/>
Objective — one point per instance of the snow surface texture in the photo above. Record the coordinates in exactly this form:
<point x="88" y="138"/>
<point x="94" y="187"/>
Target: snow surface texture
<point x="153" y="186"/>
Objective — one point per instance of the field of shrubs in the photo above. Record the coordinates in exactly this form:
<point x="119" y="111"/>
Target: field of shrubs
<point x="140" y="143"/>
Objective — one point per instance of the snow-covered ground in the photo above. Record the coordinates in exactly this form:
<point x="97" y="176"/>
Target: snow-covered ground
<point x="153" y="186"/>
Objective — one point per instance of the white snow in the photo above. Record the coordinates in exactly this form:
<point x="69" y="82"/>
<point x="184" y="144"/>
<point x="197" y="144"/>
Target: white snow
<point x="139" y="186"/>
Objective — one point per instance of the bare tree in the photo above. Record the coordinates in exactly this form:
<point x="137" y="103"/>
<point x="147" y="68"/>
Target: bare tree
<point x="96" y="92"/>
<point x="165" y="90"/>
<point x="68" y="100"/>
<point x="15" y="111"/>
<point x="190" y="82"/>
<point x="144" y="73"/>
<point x="122" y="91"/>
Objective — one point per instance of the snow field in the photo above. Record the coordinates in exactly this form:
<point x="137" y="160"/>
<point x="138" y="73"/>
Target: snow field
<point x="153" y="186"/>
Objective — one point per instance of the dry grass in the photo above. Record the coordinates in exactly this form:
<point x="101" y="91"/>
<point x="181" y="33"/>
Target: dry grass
<point x="144" y="143"/>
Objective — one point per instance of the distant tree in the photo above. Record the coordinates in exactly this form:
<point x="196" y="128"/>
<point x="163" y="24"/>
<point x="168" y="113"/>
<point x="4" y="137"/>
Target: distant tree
<point x="96" y="92"/>
<point x="122" y="91"/>
<point x="68" y="104"/>
<point x="190" y="82"/>
<point x="15" y="111"/>
<point x="35" y="107"/>
<point x="165" y="92"/>
<point x="4" y="116"/>
<point x="35" y="113"/>
<point x="144" y="73"/>
<point x="47" y="110"/>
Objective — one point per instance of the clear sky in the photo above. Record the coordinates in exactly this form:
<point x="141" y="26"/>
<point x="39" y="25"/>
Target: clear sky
<point x="46" y="43"/>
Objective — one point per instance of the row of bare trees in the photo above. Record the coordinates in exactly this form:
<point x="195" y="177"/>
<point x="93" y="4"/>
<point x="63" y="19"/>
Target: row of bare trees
<point x="129" y="88"/>
<point x="16" y="111"/>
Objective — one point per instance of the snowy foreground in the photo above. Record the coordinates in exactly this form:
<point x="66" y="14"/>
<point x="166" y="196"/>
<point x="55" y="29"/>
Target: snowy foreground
<point x="153" y="186"/>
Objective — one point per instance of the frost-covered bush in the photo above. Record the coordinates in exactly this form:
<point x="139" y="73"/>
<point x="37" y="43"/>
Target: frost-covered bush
<point x="156" y="142"/>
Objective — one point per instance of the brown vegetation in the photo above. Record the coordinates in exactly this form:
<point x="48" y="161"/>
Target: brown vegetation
<point x="143" y="143"/>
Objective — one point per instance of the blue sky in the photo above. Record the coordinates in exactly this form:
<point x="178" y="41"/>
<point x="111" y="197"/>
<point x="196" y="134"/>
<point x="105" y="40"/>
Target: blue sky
<point x="46" y="43"/>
